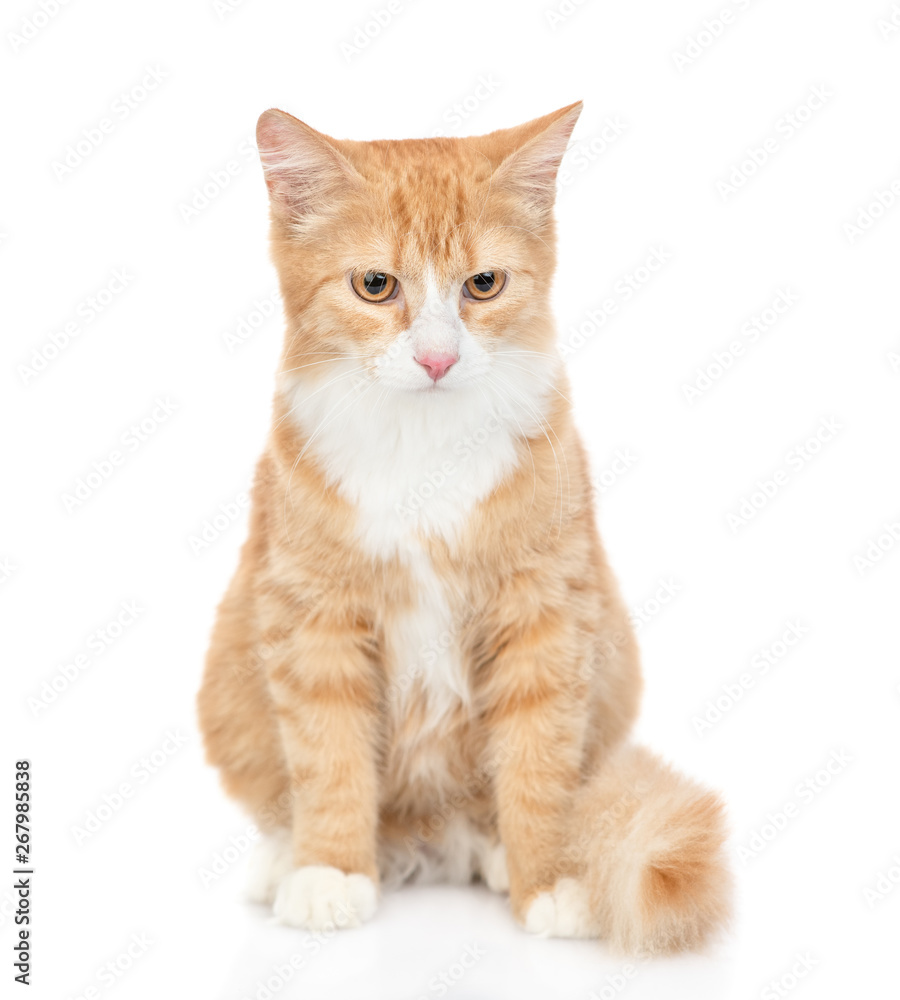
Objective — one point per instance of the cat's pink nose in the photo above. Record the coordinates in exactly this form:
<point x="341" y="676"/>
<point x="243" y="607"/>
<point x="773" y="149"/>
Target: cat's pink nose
<point x="437" y="365"/>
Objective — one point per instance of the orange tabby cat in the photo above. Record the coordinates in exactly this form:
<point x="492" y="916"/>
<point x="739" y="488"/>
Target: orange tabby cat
<point x="423" y="667"/>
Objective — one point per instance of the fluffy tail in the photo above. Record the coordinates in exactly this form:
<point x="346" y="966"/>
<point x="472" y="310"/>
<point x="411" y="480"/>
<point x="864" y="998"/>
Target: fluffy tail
<point x="649" y="846"/>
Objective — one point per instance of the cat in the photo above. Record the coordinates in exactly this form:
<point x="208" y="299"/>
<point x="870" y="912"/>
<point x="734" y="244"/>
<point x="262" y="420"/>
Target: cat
<point x="423" y="668"/>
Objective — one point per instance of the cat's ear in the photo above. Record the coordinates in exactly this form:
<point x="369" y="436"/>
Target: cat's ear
<point x="533" y="152"/>
<point x="305" y="173"/>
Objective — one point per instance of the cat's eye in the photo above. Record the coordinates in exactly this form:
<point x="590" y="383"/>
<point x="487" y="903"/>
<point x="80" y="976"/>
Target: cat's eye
<point x="484" y="285"/>
<point x="375" y="286"/>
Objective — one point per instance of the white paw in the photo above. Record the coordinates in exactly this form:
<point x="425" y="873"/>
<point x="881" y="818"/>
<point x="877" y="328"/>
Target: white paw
<point x="270" y="861"/>
<point x="564" y="912"/>
<point x="318" y="896"/>
<point x="494" y="870"/>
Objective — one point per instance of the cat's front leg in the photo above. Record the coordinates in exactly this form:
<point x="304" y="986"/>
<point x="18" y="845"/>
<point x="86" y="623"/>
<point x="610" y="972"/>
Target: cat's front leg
<point x="537" y="717"/>
<point x="323" y="692"/>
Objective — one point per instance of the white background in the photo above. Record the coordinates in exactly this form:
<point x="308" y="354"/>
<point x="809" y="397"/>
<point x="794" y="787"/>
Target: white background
<point x="684" y="125"/>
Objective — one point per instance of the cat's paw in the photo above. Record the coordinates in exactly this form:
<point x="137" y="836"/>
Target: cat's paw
<point x="270" y="861"/>
<point x="564" y="912"/>
<point x="318" y="896"/>
<point x="493" y="868"/>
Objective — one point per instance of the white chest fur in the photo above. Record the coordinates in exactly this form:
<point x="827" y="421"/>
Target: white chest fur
<point x="423" y="646"/>
<point x="412" y="463"/>
<point x="415" y="464"/>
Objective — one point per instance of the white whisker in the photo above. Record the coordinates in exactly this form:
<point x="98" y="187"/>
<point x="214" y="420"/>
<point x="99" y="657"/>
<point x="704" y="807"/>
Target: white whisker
<point x="544" y="426"/>
<point x="321" y="388"/>
<point x="498" y="388"/>
<point x="320" y="426"/>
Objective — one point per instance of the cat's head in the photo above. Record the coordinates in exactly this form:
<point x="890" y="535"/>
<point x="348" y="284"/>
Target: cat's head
<point x="424" y="265"/>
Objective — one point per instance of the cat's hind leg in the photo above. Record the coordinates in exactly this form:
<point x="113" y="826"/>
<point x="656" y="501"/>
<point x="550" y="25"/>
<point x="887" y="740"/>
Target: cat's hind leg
<point x="270" y="861"/>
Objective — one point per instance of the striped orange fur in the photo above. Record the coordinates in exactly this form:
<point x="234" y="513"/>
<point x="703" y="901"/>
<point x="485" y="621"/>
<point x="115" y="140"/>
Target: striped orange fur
<point x="423" y="666"/>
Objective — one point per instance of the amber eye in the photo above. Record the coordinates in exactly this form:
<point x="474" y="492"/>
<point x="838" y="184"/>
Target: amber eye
<point x="484" y="285"/>
<point x="375" y="286"/>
